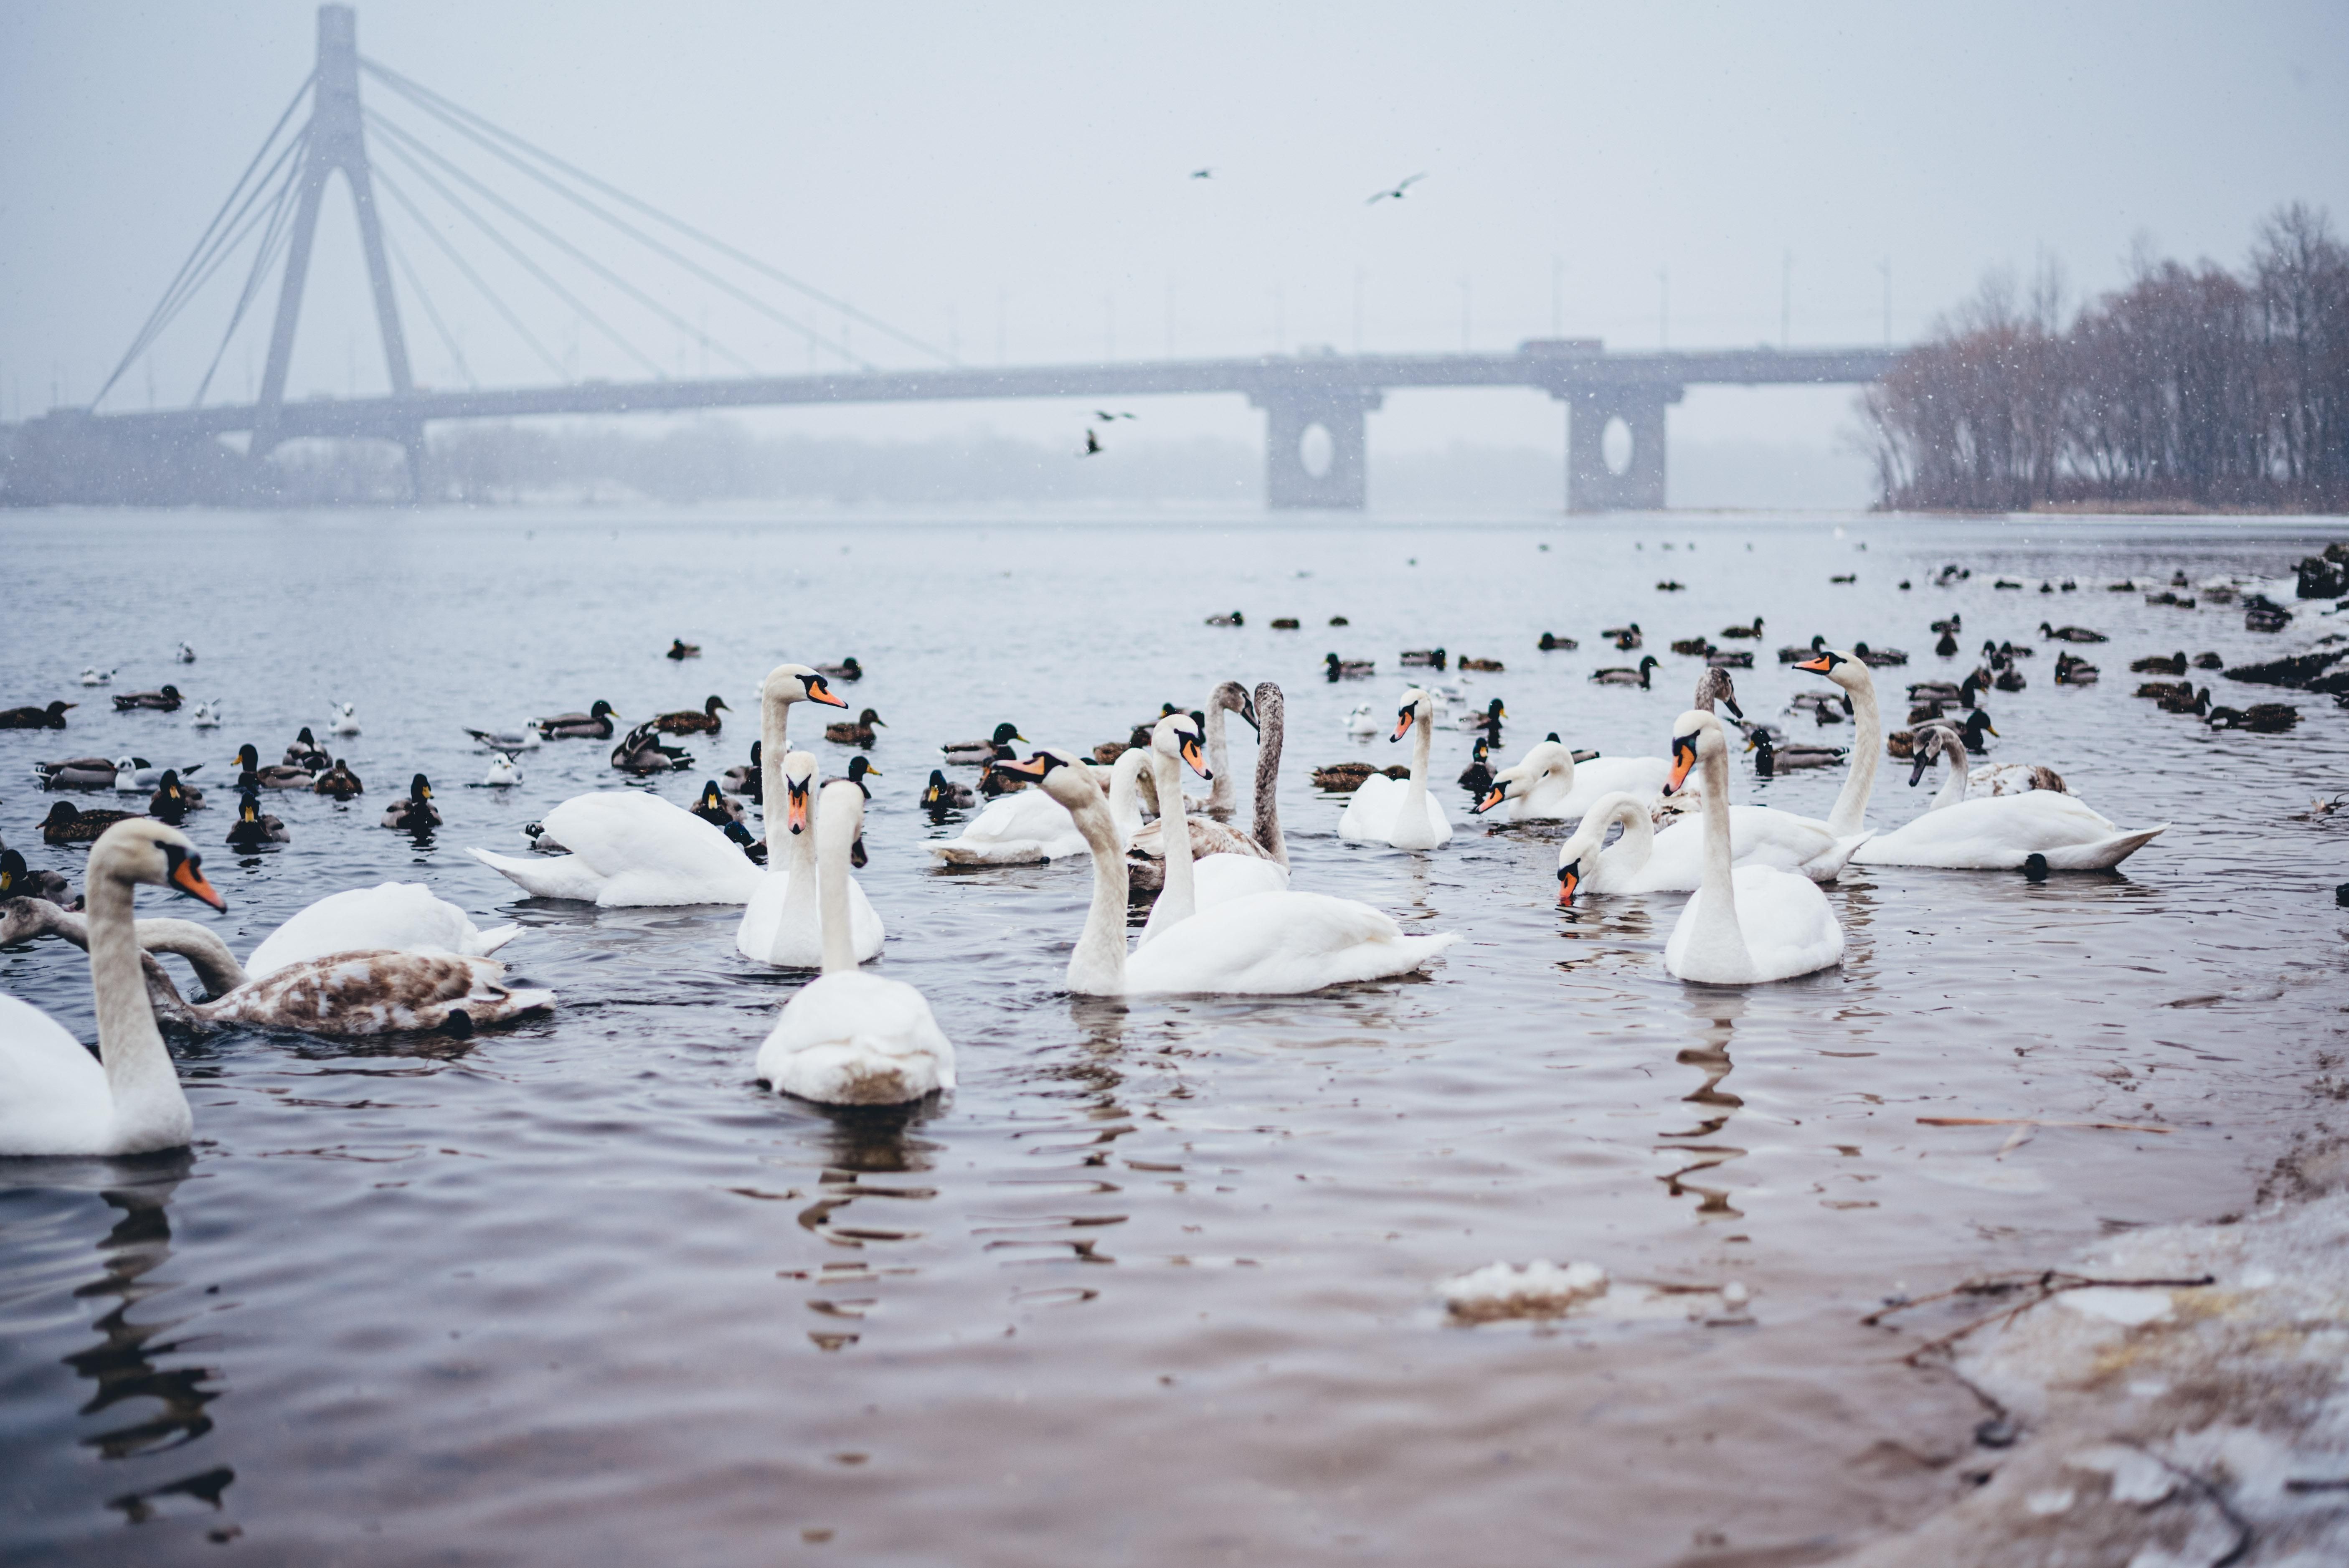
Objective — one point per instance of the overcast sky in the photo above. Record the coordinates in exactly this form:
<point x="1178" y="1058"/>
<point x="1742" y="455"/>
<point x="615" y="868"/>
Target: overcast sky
<point x="1015" y="179"/>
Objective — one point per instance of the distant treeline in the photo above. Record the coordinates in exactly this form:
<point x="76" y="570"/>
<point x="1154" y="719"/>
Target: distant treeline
<point x="2193" y="385"/>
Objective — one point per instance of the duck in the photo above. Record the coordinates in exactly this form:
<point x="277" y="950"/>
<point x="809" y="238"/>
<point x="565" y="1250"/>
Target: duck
<point x="2002" y="831"/>
<point x="964" y="754"/>
<point x="504" y="773"/>
<point x="640" y="751"/>
<point x="701" y="720"/>
<point x="2157" y="665"/>
<point x="69" y="824"/>
<point x="1487" y="721"/>
<point x="507" y="740"/>
<point x="857" y="731"/>
<point x="346" y="720"/>
<point x="1878" y="657"/>
<point x="1625" y="637"/>
<point x="339" y="782"/>
<point x="277" y="775"/>
<point x="743" y="778"/>
<point x="2260" y="718"/>
<point x="1424" y="659"/>
<point x="206" y="715"/>
<point x="595" y="724"/>
<point x="1646" y="859"/>
<point x="254" y="827"/>
<point x="1551" y="642"/>
<point x="172" y="800"/>
<point x="1692" y="646"/>
<point x="846" y="669"/>
<point x="2071" y="672"/>
<point x="164" y="700"/>
<point x="2187" y="701"/>
<point x="1477" y="776"/>
<point x="726" y="815"/>
<point x="20" y="880"/>
<point x="415" y="814"/>
<point x="993" y="784"/>
<point x="1747" y="632"/>
<point x="679" y="648"/>
<point x="942" y="794"/>
<point x="1771" y="758"/>
<point x="1795" y="652"/>
<point x="1902" y="744"/>
<point x="2070" y="633"/>
<point x="1268" y="943"/>
<point x="1747" y="925"/>
<point x="83" y="773"/>
<point x="1547" y="783"/>
<point x="1618" y="676"/>
<point x="1403" y="815"/>
<point x="92" y="675"/>
<point x="1483" y="666"/>
<point x="2259" y="614"/>
<point x="1286" y="623"/>
<point x="1235" y="618"/>
<point x="629" y="849"/>
<point x="1670" y="585"/>
<point x="52" y="717"/>
<point x="2009" y="678"/>
<point x="1948" y="646"/>
<point x="782" y="924"/>
<point x="305" y="754"/>
<point x="56" y="1098"/>
<point x="847" y="1037"/>
<point x="1730" y="659"/>
<point x="1344" y="778"/>
<point x="2209" y="661"/>
<point x="1347" y="668"/>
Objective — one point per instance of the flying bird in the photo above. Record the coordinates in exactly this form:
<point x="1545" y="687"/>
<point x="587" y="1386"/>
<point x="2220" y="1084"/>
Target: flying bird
<point x="1105" y="417"/>
<point x="1203" y="174"/>
<point x="1397" y="191"/>
<point x="1092" y="443"/>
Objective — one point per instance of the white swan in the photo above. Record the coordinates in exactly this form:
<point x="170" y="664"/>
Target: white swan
<point x="1645" y="860"/>
<point x="1268" y="944"/>
<point x="397" y="917"/>
<point x="783" y="924"/>
<point x="1029" y="825"/>
<point x="1231" y="697"/>
<point x="1850" y="812"/>
<point x="1190" y="885"/>
<point x="55" y="1099"/>
<point x="634" y="850"/>
<point x="1999" y="833"/>
<point x="1391" y="811"/>
<point x="847" y="1037"/>
<point x="1227" y="863"/>
<point x="1745" y="926"/>
<point x="1547" y="783"/>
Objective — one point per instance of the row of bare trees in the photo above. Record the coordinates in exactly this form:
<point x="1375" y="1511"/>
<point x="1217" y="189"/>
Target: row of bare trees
<point x="2190" y="385"/>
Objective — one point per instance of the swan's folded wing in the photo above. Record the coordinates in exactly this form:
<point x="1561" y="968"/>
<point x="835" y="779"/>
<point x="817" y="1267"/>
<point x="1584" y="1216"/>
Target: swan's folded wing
<point x="546" y="877"/>
<point x="857" y="1039"/>
<point x="353" y="994"/>
<point x="54" y="1098"/>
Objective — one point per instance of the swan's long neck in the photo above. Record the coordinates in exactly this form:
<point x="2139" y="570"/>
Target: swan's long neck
<point x="1414" y="799"/>
<point x="1717" y="932"/>
<point x="775" y="718"/>
<point x="1124" y="791"/>
<point x="1267" y="773"/>
<point x="1097" y="967"/>
<point x="1219" y="760"/>
<point x="838" y="817"/>
<point x="1953" y="787"/>
<point x="1177" y="901"/>
<point x="1850" y="814"/>
<point x="138" y="1072"/>
<point x="1638" y="840"/>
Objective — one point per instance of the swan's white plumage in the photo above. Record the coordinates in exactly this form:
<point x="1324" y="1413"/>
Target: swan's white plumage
<point x="396" y="917"/>
<point x="1015" y="828"/>
<point x="1999" y="833"/>
<point x="1548" y="785"/>
<point x="54" y="1098"/>
<point x="629" y="849"/>
<point x="1744" y="926"/>
<point x="1277" y="944"/>
<point x="783" y="923"/>
<point x="1645" y="860"/>
<point x="1394" y="811"/>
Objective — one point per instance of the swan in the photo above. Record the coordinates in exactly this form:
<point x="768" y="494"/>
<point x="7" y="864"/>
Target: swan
<point x="1850" y="812"/>
<point x="1189" y="880"/>
<point x="633" y="850"/>
<point x="1999" y="833"/>
<point x="1548" y="785"/>
<point x="1646" y="860"/>
<point x="782" y="923"/>
<point x="400" y="917"/>
<point x="1216" y="842"/>
<point x="55" y="1099"/>
<point x="1390" y="811"/>
<point x="847" y="1037"/>
<point x="1231" y="697"/>
<point x="1745" y="925"/>
<point x="1266" y="944"/>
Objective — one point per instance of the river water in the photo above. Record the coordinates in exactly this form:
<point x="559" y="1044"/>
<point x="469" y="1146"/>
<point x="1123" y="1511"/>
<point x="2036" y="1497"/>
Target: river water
<point x="1158" y="1284"/>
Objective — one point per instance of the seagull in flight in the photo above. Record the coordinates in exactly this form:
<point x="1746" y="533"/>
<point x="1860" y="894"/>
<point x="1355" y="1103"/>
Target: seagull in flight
<point x="1203" y="174"/>
<point x="1092" y="443"/>
<point x="1397" y="191"/>
<point x="1105" y="417"/>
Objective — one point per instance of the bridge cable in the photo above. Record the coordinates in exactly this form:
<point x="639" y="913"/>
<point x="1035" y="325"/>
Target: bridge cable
<point x="426" y="97"/>
<point x="813" y="338"/>
<point x="398" y="135"/>
<point x="278" y="233"/>
<point x="529" y="265"/>
<point x="432" y="232"/>
<point x="415" y="286"/>
<point x="166" y="308"/>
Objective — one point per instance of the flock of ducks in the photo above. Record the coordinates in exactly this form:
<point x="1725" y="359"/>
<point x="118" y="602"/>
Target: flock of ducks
<point x="1225" y="919"/>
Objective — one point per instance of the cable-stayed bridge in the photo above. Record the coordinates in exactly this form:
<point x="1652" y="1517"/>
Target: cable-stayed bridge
<point x="188" y="454"/>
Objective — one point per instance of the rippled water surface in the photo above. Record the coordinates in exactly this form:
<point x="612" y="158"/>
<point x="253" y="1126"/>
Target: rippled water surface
<point x="1158" y="1284"/>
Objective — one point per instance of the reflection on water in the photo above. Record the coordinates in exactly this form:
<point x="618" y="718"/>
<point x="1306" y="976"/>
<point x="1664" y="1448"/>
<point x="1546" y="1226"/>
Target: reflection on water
<point x="1716" y="1013"/>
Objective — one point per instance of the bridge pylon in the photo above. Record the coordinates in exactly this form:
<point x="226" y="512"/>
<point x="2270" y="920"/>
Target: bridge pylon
<point x="337" y="142"/>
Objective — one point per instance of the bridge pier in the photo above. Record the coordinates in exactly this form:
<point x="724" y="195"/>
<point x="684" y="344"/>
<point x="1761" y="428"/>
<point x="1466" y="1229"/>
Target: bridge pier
<point x="1590" y="484"/>
<point x="1341" y="413"/>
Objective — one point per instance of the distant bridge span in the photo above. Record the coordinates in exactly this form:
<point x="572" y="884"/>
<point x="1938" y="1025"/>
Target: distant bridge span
<point x="164" y="456"/>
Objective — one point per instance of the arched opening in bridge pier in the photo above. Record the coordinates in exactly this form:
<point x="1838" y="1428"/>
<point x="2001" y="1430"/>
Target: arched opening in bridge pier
<point x="1615" y="446"/>
<point x="1316" y="449"/>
